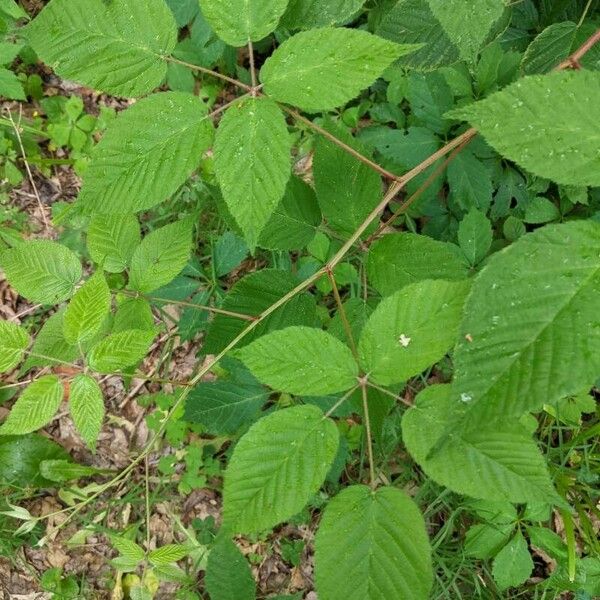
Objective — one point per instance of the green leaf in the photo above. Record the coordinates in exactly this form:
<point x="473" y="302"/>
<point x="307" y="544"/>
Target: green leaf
<point x="21" y="457"/>
<point x="127" y="548"/>
<point x="41" y="271"/>
<point x="111" y="240"/>
<point x="161" y="256"/>
<point x="475" y="236"/>
<point x="224" y="406"/>
<point x="403" y="336"/>
<point x="527" y="122"/>
<point x="228" y="575"/>
<point x="13" y="341"/>
<point x="347" y="189"/>
<point x="146" y="153"/>
<point x="301" y="360"/>
<point x="513" y="565"/>
<point x="541" y="210"/>
<point x="276" y="467"/>
<point x="251" y="295"/>
<point x="485" y="541"/>
<point x="65" y="470"/>
<point x="308" y="14"/>
<point x="495" y="461"/>
<point x="237" y="23"/>
<point x="12" y="9"/>
<point x="252" y="162"/>
<point x="87" y="310"/>
<point x="467" y="23"/>
<point x="120" y="350"/>
<point x="402" y="258"/>
<point x="133" y="313"/>
<point x="531" y="318"/>
<point x="167" y="554"/>
<point x="322" y="69"/>
<point x="86" y="404"/>
<point x="372" y="545"/>
<point x="229" y="251"/>
<point x="470" y="182"/>
<point x="549" y="48"/>
<point x="10" y="86"/>
<point x="118" y="47"/>
<point x="412" y="22"/>
<point x="50" y="346"/>
<point x="35" y="407"/>
<point x="294" y="222"/>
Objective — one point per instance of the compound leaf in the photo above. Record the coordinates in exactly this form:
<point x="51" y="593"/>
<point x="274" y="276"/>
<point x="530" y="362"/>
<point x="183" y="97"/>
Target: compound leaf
<point x="87" y="310"/>
<point x="324" y="68"/>
<point x="161" y="256"/>
<point x="372" y="545"/>
<point x="35" y="407"/>
<point x="492" y="462"/>
<point x="111" y="240"/>
<point x="13" y="341"/>
<point x="402" y="258"/>
<point x="301" y="360"/>
<point x="404" y="335"/>
<point x="86" y="404"/>
<point x="115" y="46"/>
<point x="276" y="467"/>
<point x="237" y="23"/>
<point x="41" y="271"/>
<point x="527" y="123"/>
<point x="252" y="162"/>
<point x="120" y="350"/>
<point x="146" y="153"/>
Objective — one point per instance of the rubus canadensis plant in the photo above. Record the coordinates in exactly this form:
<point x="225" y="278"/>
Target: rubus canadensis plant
<point x="519" y="320"/>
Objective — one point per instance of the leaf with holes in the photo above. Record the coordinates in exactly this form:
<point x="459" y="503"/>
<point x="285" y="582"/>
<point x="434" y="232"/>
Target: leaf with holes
<point x="118" y="47"/>
<point x="403" y="336"/>
<point x="276" y="467"/>
<point x="86" y="404"/>
<point x="41" y="271"/>
<point x="527" y="123"/>
<point x="301" y="360"/>
<point x="13" y="342"/>
<point x="252" y="162"/>
<point x="161" y="256"/>
<point x="35" y="407"/>
<point x="87" y="310"/>
<point x="146" y="153"/>
<point x="324" y="68"/>
<point x="372" y="545"/>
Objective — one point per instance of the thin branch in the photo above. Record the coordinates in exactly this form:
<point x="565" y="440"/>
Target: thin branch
<point x="340" y="401"/>
<point x="205" y="307"/>
<point x="343" y="315"/>
<point x="572" y="62"/>
<point x="206" y="71"/>
<point x="365" y="402"/>
<point x="332" y="138"/>
<point x="388" y="393"/>
<point x="17" y="130"/>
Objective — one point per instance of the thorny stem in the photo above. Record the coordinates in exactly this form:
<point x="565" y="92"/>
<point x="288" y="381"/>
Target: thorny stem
<point x="346" y="147"/>
<point x="365" y="402"/>
<point x="396" y="186"/>
<point x="343" y="315"/>
<point x="252" y="67"/>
